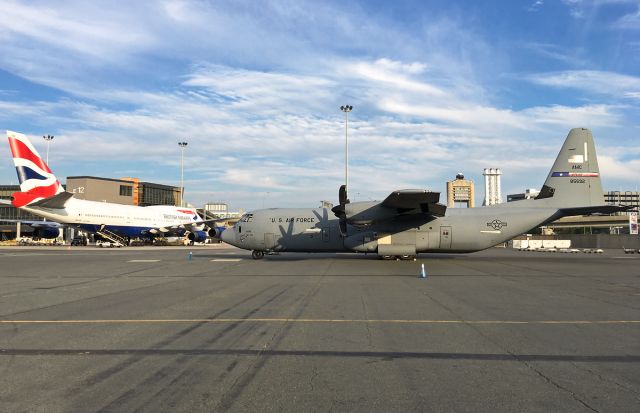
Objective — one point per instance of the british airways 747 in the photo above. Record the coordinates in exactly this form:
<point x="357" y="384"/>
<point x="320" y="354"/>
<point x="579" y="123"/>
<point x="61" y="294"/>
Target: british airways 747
<point x="41" y="194"/>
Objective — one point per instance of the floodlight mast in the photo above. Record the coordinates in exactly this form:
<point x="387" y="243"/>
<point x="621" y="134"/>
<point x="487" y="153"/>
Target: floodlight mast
<point x="182" y="145"/>
<point x="346" y="109"/>
<point x="48" y="138"/>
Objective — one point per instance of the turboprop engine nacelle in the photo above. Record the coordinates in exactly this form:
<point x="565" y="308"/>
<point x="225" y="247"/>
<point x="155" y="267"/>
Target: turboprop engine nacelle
<point x="362" y="242"/>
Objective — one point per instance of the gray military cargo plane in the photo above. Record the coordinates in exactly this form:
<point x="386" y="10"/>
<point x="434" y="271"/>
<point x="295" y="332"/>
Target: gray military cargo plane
<point x="411" y="221"/>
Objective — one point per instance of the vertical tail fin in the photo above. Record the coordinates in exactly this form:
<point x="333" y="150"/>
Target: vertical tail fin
<point x="574" y="180"/>
<point x="36" y="179"/>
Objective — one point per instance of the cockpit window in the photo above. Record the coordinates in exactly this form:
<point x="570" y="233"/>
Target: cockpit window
<point x="247" y="218"/>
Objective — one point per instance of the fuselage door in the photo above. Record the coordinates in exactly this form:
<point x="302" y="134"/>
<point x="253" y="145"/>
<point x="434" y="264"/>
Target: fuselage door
<point x="269" y="240"/>
<point x="445" y="237"/>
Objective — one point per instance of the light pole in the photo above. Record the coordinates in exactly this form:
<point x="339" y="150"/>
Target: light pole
<point x="346" y="109"/>
<point x="182" y="145"/>
<point x="48" y="138"/>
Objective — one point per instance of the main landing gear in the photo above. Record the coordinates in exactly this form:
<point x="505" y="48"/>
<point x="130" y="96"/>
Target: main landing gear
<point x="257" y="255"/>
<point x="398" y="257"/>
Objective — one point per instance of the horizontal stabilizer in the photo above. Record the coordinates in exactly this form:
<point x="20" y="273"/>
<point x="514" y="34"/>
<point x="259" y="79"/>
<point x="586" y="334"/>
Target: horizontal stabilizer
<point x="55" y="202"/>
<point x="602" y="209"/>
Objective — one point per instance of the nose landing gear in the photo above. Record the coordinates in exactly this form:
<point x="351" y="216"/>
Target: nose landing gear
<point x="257" y="255"/>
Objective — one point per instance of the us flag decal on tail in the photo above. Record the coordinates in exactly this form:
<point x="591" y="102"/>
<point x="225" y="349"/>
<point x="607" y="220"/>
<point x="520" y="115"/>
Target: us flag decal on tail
<point x="575" y="174"/>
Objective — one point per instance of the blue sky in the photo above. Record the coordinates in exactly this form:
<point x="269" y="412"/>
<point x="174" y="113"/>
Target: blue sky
<point x="255" y="87"/>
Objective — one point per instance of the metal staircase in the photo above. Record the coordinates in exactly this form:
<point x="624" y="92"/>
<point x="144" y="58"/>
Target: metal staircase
<point x="111" y="236"/>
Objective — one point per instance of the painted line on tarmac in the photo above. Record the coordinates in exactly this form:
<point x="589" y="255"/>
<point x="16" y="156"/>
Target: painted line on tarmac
<point x="226" y="259"/>
<point x="313" y="320"/>
<point x="143" y="260"/>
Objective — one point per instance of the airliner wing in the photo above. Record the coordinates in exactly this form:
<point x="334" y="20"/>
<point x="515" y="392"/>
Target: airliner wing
<point x="214" y="221"/>
<point x="35" y="224"/>
<point x="55" y="202"/>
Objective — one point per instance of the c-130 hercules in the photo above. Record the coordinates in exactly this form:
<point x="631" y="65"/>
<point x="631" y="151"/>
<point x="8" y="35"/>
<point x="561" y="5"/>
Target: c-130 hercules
<point x="412" y="221"/>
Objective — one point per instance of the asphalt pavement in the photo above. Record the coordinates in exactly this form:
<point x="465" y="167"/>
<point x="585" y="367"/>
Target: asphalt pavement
<point x="148" y="329"/>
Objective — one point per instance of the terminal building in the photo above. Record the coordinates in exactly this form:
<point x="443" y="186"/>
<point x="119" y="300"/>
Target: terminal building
<point x="460" y="192"/>
<point x="220" y="210"/>
<point x="127" y="191"/>
<point x="623" y="198"/>
<point x="8" y="211"/>
<point x="527" y="194"/>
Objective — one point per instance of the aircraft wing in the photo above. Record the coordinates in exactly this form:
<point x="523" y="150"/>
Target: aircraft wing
<point x="35" y="224"/>
<point x="56" y="202"/>
<point x="399" y="205"/>
<point x="208" y="222"/>
<point x="418" y="200"/>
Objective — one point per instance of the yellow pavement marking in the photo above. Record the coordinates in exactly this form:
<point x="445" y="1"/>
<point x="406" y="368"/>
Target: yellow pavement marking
<point x="226" y="259"/>
<point x="312" y="320"/>
<point x="143" y="260"/>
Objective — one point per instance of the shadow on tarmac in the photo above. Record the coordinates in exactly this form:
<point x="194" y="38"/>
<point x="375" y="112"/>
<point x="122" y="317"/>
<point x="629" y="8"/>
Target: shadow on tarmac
<point x="385" y="355"/>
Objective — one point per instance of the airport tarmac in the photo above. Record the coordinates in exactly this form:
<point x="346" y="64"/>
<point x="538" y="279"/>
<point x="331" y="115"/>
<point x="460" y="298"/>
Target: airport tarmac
<point x="147" y="329"/>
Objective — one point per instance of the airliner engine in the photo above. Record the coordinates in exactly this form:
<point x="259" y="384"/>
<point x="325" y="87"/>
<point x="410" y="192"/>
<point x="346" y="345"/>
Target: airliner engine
<point x="47" y="233"/>
<point x="197" y="236"/>
<point x="216" y="232"/>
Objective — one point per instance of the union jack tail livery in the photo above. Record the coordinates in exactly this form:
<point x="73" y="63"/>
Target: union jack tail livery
<point x="36" y="179"/>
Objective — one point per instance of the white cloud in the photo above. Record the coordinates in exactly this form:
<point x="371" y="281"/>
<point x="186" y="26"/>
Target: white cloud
<point x="569" y="117"/>
<point x="581" y="9"/>
<point x="469" y="115"/>
<point x="622" y="171"/>
<point x="393" y="75"/>
<point x="86" y="30"/>
<point x="535" y="6"/>
<point x="630" y="20"/>
<point x="571" y="57"/>
<point x="605" y="83"/>
<point x="262" y="92"/>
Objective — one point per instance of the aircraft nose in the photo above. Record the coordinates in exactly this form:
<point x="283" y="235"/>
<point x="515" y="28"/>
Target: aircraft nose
<point x="228" y="236"/>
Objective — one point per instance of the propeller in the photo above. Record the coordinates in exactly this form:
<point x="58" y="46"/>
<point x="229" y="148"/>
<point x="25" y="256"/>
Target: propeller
<point x="340" y="209"/>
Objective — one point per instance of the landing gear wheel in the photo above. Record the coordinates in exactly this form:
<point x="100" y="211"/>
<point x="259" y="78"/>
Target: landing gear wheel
<point x="257" y="255"/>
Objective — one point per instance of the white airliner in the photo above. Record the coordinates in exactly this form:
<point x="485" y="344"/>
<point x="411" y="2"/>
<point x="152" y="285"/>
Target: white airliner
<point x="41" y="194"/>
